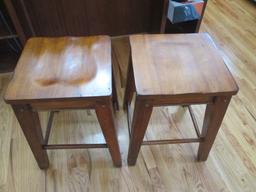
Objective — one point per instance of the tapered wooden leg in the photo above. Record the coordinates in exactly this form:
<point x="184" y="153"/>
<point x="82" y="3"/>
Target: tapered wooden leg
<point x="105" y="118"/>
<point x="114" y="90"/>
<point x="141" y="116"/>
<point x="130" y="86"/>
<point x="30" y="124"/>
<point x="214" y="115"/>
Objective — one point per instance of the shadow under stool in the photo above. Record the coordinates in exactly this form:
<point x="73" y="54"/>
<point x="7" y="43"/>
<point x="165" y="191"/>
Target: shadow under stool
<point x="64" y="73"/>
<point x="176" y="69"/>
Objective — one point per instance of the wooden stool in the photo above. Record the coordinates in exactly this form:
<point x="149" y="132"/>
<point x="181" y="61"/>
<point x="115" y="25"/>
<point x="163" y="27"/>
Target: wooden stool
<point x="63" y="73"/>
<point x="182" y="69"/>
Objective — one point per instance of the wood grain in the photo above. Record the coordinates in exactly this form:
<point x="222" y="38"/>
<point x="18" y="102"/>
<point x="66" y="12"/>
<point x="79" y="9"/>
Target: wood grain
<point x="171" y="69"/>
<point x="86" y="17"/>
<point x="5" y="135"/>
<point x="166" y="65"/>
<point x="67" y="67"/>
<point x="30" y="124"/>
<point x="231" y="167"/>
<point x="64" y="73"/>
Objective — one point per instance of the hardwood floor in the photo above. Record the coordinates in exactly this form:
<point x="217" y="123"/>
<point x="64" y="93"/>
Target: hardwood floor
<point x="231" y="165"/>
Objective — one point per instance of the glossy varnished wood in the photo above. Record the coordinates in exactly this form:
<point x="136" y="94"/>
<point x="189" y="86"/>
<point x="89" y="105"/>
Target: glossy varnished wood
<point x="141" y="116"/>
<point x="214" y="115"/>
<point x="177" y="69"/>
<point x="106" y="120"/>
<point x="64" y="73"/>
<point x="179" y="65"/>
<point x="30" y="124"/>
<point x="130" y="85"/>
<point x="66" y="67"/>
<point x="231" y="166"/>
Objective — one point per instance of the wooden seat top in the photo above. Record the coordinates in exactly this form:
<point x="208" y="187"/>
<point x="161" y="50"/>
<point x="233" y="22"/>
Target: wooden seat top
<point x="64" y="67"/>
<point x="176" y="64"/>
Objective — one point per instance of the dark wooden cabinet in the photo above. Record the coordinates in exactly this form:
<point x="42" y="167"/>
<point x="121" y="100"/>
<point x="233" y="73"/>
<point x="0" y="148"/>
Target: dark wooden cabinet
<point x="87" y="17"/>
<point x="92" y="17"/>
<point x="10" y="46"/>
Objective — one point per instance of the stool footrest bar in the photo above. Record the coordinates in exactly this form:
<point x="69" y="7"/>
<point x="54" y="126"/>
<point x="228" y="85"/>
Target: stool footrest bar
<point x="75" y="146"/>
<point x="172" y="141"/>
<point x="193" y="118"/>
<point x="49" y="127"/>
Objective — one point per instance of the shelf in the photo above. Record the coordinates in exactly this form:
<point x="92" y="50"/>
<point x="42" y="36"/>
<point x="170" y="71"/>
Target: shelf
<point x="7" y="62"/>
<point x="184" y="27"/>
<point x="8" y="57"/>
<point x="5" y="35"/>
<point x="6" y="30"/>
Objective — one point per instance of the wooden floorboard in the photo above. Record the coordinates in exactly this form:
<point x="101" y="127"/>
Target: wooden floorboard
<point x="231" y="165"/>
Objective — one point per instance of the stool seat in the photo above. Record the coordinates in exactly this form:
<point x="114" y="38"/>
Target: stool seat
<point x="65" y="67"/>
<point x="179" y="64"/>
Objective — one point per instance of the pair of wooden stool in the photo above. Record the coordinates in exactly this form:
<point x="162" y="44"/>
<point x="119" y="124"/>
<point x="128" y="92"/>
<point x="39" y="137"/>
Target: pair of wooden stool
<point x="76" y="73"/>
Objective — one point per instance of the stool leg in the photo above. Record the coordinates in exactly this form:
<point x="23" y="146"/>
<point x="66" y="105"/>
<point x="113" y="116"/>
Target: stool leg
<point x="130" y="86"/>
<point x="30" y="124"/>
<point x="114" y="90"/>
<point x="141" y="116"/>
<point x="105" y="118"/>
<point x="214" y="115"/>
